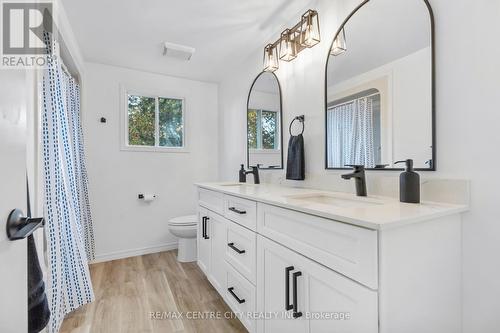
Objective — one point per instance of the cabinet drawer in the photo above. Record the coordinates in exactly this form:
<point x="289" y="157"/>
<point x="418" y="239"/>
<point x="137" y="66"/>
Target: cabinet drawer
<point x="347" y="249"/>
<point x="241" y="249"/>
<point x="241" y="211"/>
<point x="211" y="200"/>
<point x="239" y="294"/>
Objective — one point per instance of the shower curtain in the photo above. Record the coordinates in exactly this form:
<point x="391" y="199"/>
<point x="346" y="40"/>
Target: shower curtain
<point x="350" y="134"/>
<point x="66" y="206"/>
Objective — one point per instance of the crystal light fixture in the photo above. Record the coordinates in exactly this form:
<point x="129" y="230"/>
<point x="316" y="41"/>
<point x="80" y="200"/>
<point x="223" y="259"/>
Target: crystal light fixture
<point x="270" y="58"/>
<point x="339" y="44"/>
<point x="309" y="28"/>
<point x="288" y="49"/>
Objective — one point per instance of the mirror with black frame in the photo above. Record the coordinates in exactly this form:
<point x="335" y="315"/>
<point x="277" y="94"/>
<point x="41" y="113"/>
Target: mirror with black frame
<point x="380" y="87"/>
<point x="264" y="135"/>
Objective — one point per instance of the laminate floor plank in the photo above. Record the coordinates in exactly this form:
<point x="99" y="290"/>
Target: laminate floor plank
<point x="129" y="290"/>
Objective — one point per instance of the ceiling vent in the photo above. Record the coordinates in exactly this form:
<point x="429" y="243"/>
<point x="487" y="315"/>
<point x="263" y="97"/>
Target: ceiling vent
<point x="178" y="51"/>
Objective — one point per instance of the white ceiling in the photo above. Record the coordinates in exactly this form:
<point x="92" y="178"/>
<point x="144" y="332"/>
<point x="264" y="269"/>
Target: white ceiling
<point x="130" y="33"/>
<point x="380" y="32"/>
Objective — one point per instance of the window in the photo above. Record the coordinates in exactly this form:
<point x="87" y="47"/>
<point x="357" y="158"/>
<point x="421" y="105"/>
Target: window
<point x="154" y="122"/>
<point x="263" y="129"/>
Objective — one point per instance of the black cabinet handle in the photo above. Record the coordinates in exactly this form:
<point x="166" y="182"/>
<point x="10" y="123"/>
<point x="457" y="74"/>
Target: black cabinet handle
<point x="233" y="209"/>
<point x="239" y="300"/>
<point x="206" y="227"/>
<point x="203" y="226"/>
<point x="231" y="245"/>
<point x="288" y="306"/>
<point x="296" y="312"/>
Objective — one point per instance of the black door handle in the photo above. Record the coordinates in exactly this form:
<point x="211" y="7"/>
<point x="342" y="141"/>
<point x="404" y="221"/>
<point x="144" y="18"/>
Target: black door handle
<point x="20" y="227"/>
<point x="233" y="209"/>
<point x="288" y="306"/>
<point x="239" y="300"/>
<point x="296" y="312"/>
<point x="203" y="226"/>
<point x="231" y="245"/>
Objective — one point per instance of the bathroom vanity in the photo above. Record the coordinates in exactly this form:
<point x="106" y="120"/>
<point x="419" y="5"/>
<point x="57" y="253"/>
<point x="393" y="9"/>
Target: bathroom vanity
<point x="302" y="260"/>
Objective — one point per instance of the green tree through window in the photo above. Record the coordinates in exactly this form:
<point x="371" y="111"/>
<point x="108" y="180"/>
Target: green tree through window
<point x="141" y="120"/>
<point x="145" y="112"/>
<point x="262" y="129"/>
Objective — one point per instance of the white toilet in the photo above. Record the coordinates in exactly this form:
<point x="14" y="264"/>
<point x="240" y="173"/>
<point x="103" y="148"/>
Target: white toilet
<point x="184" y="227"/>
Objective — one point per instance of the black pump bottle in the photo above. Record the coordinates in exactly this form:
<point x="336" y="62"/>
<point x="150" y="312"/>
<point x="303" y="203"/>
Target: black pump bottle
<point x="409" y="184"/>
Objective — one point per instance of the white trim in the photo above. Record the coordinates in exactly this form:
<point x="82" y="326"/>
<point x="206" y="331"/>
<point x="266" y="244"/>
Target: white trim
<point x="154" y="93"/>
<point x="134" y="252"/>
<point x="264" y="151"/>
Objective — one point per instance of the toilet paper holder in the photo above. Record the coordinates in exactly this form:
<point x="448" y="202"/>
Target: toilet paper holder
<point x="141" y="196"/>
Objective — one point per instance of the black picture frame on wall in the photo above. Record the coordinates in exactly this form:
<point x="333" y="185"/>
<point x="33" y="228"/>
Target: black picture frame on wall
<point x="280" y="123"/>
<point x="433" y="91"/>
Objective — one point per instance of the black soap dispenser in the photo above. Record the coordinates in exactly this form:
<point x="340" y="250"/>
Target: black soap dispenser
<point x="242" y="174"/>
<point x="409" y="184"/>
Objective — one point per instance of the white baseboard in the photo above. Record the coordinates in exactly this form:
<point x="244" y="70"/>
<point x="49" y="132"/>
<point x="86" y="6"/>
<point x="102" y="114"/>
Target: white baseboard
<point x="133" y="252"/>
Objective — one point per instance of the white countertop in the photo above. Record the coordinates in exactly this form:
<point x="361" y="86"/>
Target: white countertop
<point x="373" y="212"/>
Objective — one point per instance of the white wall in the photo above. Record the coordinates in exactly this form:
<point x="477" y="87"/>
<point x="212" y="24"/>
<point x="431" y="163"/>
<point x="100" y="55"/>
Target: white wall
<point x="124" y="225"/>
<point x="468" y="122"/>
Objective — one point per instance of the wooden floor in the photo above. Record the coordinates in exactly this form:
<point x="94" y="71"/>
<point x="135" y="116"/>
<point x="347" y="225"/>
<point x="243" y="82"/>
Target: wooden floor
<point x="128" y="290"/>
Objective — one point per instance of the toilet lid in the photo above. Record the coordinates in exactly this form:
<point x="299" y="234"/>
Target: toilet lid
<point x="187" y="220"/>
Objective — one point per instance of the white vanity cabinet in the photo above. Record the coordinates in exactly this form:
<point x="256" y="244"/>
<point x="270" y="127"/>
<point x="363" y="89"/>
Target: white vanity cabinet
<point x="384" y="268"/>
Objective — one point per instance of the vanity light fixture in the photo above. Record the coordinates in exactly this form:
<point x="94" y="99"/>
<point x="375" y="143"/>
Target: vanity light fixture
<point x="288" y="47"/>
<point x="270" y="58"/>
<point x="304" y="34"/>
<point x="309" y="29"/>
<point x="339" y="44"/>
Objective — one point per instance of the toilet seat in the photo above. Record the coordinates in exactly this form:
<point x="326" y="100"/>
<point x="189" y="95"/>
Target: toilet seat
<point x="184" y="221"/>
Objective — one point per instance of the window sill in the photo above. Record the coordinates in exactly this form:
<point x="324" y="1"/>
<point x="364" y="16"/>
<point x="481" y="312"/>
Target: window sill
<point x="264" y="151"/>
<point x="180" y="150"/>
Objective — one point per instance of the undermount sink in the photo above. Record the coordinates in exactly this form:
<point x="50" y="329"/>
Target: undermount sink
<point x="337" y="201"/>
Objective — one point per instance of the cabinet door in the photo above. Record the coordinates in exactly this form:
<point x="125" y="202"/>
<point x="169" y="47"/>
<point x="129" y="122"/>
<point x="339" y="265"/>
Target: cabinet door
<point x="328" y="301"/>
<point x="204" y="250"/>
<point x="216" y="226"/>
<point x="338" y="304"/>
<point x="272" y="294"/>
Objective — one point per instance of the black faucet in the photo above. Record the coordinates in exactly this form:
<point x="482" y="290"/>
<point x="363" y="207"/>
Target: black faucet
<point x="359" y="176"/>
<point x="243" y="174"/>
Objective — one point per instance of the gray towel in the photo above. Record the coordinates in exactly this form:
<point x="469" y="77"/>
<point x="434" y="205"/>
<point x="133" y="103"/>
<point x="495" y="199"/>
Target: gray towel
<point x="296" y="161"/>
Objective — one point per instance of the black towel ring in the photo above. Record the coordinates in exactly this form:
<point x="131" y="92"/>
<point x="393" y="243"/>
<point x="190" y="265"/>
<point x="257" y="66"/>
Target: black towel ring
<point x="299" y="118"/>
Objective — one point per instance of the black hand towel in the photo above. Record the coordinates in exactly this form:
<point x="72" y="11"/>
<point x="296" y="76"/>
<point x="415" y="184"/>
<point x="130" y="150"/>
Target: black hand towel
<point x="38" y="307"/>
<point x="296" y="161"/>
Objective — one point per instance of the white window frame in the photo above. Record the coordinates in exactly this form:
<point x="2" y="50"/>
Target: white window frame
<point x="124" y="143"/>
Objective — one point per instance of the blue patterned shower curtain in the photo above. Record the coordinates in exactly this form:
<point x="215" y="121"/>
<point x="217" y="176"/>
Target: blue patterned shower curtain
<point x="66" y="205"/>
<point x="350" y="134"/>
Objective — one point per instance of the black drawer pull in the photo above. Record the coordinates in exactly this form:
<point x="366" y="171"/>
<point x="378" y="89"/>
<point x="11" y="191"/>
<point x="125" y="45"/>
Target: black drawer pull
<point x="241" y="212"/>
<point x="296" y="312"/>
<point x="239" y="300"/>
<point x="288" y="306"/>
<point x="231" y="245"/>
